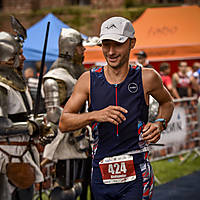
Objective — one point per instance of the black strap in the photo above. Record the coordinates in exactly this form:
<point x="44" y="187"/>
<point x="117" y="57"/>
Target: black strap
<point x="18" y="117"/>
<point x="10" y="156"/>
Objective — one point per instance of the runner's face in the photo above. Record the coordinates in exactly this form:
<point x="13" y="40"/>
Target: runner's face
<point x="115" y="53"/>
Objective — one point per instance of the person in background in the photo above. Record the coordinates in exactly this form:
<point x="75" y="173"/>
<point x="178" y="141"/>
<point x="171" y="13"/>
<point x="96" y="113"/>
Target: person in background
<point x="165" y="70"/>
<point x="195" y="79"/>
<point x="68" y="150"/>
<point x="19" y="157"/>
<point x="199" y="71"/>
<point x="32" y="79"/>
<point x="29" y="72"/>
<point x="142" y="59"/>
<point x="181" y="81"/>
<point x="118" y="96"/>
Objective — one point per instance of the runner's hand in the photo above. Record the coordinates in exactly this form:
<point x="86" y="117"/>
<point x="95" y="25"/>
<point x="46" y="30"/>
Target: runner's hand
<point x="112" y="114"/>
<point x="152" y="132"/>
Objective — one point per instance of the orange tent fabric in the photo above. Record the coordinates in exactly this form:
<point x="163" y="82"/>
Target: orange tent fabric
<point x="169" y="33"/>
<point x="93" y="55"/>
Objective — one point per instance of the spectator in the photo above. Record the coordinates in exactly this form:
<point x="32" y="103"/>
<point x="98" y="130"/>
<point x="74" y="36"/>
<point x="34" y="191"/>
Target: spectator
<point x="68" y="150"/>
<point x="165" y="70"/>
<point x="142" y="59"/>
<point x="181" y="81"/>
<point x="29" y="73"/>
<point x="199" y="72"/>
<point x="195" y="79"/>
<point x="17" y="133"/>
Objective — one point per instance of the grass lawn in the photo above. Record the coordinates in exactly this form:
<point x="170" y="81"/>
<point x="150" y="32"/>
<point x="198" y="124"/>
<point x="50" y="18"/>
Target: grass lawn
<point x="170" y="169"/>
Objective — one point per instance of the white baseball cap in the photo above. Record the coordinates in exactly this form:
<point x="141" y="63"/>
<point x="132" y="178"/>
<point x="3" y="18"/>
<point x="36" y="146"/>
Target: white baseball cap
<point x="118" y="29"/>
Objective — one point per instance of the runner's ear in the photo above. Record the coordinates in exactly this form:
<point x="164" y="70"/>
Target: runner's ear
<point x="133" y="41"/>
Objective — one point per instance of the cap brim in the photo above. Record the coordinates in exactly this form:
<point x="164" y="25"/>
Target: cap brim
<point x="142" y="55"/>
<point x="114" y="37"/>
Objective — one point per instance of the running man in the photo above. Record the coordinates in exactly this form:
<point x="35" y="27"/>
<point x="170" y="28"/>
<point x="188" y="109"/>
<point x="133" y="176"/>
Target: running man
<point x="118" y="96"/>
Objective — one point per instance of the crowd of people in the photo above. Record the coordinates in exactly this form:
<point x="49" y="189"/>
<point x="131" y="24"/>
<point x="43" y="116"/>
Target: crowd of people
<point x="94" y="124"/>
<point x="183" y="83"/>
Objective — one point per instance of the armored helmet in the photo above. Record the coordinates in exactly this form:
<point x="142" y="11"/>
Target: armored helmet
<point x="9" y="48"/>
<point x="10" y="45"/>
<point x="68" y="40"/>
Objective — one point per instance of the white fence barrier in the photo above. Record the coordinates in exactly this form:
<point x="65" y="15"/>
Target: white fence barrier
<point x="182" y="134"/>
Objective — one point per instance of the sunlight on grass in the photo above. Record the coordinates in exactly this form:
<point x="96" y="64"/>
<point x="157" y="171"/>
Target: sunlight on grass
<point x="170" y="169"/>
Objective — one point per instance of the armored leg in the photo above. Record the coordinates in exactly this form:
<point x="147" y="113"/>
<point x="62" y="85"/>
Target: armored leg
<point x="69" y="179"/>
<point x="26" y="194"/>
<point x="69" y="194"/>
<point x="4" y="188"/>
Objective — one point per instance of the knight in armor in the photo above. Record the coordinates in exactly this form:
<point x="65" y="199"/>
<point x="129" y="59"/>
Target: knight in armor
<point x="67" y="150"/>
<point x="19" y="157"/>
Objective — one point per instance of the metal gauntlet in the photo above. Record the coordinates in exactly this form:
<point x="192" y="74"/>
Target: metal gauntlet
<point x="46" y="131"/>
<point x="80" y="140"/>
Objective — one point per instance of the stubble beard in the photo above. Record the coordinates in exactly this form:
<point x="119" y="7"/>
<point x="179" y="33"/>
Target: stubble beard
<point x="123" y="60"/>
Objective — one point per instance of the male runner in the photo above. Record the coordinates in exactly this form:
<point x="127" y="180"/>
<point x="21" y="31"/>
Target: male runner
<point x="118" y="96"/>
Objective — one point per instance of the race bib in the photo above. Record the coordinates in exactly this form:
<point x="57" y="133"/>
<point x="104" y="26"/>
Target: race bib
<point x="117" y="169"/>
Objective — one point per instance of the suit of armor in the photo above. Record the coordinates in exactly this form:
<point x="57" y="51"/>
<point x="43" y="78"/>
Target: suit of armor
<point x="15" y="128"/>
<point x="68" y="149"/>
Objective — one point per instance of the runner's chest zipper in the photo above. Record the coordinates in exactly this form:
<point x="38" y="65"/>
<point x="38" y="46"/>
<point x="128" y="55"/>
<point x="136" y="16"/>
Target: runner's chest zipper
<point x="116" y="103"/>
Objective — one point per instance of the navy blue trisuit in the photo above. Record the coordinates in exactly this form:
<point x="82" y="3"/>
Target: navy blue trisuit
<point x="121" y="169"/>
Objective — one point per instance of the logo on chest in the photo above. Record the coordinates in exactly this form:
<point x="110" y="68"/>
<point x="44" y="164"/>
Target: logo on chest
<point x="132" y="87"/>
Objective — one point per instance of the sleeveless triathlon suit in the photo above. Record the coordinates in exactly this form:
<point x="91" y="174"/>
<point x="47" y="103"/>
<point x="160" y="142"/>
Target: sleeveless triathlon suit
<point x="183" y="85"/>
<point x="111" y="140"/>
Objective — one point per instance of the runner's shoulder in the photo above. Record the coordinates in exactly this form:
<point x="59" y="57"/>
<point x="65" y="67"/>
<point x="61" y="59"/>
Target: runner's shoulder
<point x="84" y="77"/>
<point x="149" y="73"/>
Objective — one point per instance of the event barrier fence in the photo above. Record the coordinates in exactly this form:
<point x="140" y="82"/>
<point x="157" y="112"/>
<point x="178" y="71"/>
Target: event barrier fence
<point x="182" y="134"/>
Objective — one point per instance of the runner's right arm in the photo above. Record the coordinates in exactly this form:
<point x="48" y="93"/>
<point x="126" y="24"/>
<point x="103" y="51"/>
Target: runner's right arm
<point x="71" y="119"/>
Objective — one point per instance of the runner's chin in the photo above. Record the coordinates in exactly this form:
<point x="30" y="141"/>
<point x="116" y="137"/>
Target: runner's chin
<point x="113" y="62"/>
